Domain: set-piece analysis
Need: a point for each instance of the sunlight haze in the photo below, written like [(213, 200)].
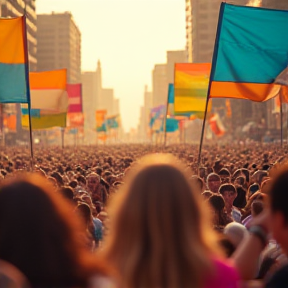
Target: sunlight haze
[(129, 37)]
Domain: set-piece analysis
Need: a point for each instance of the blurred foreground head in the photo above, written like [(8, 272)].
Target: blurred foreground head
[(159, 233), (39, 235)]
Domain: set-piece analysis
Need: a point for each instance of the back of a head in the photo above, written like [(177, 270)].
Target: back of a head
[(30, 207), (165, 221), (236, 233), (278, 192)]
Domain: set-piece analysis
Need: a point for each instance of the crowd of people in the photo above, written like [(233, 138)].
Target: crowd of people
[(144, 216)]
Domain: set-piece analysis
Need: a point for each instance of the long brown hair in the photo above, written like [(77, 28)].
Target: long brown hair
[(40, 236), (159, 235)]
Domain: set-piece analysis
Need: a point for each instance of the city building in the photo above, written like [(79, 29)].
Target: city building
[(173, 57), (279, 4), (107, 101), (59, 44), (160, 85), (12, 8)]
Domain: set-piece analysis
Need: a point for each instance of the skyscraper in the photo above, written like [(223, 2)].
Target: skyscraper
[(59, 44), (12, 8), (160, 86)]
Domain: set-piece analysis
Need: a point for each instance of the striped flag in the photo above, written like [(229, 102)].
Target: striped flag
[(13, 61)]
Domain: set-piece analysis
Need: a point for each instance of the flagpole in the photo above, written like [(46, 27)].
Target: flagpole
[(27, 85), (165, 120), (281, 118)]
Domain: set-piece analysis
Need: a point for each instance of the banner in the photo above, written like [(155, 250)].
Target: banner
[(75, 120), (157, 116), (75, 98), (13, 55), (10, 122), (191, 87), (45, 121), (101, 120), (48, 91), (250, 52)]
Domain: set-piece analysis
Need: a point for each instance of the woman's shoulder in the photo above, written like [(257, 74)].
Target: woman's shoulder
[(224, 276)]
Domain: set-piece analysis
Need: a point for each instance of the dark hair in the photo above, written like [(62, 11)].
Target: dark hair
[(278, 193), (73, 184), (48, 251), (67, 192), (58, 178), (227, 187), (81, 179), (240, 200)]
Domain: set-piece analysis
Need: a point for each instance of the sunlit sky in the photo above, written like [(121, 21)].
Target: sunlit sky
[(129, 37)]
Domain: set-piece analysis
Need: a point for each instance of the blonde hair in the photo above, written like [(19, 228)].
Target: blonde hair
[(159, 234)]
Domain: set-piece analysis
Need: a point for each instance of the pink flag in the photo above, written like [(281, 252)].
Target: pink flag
[(75, 97)]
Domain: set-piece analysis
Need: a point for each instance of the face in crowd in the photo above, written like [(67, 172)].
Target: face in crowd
[(93, 181), (213, 182)]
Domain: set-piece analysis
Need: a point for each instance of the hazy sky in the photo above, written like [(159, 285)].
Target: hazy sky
[(129, 37)]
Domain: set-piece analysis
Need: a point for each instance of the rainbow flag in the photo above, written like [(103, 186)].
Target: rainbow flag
[(48, 91), (13, 63), (191, 87), (250, 52), (75, 98)]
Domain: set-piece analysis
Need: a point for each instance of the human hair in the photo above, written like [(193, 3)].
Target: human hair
[(40, 236), (240, 200), (227, 187), (81, 179), (148, 244), (278, 192)]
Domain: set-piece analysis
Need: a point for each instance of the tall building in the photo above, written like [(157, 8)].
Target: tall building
[(12, 8), (201, 25), (107, 101), (160, 85), (173, 57), (59, 44), (275, 4)]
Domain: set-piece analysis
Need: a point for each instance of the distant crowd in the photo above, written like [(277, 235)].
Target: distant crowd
[(144, 216)]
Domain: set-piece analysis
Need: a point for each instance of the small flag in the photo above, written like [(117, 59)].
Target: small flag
[(74, 97), (113, 122), (101, 120), (13, 82), (75, 120), (216, 125)]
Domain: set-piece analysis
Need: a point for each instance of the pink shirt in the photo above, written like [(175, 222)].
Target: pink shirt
[(225, 276)]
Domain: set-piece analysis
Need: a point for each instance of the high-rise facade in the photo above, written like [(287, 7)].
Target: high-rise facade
[(173, 57), (59, 44), (201, 26), (160, 86), (12, 8), (275, 4)]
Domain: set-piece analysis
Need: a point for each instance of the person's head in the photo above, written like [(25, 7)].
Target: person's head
[(146, 238), (213, 182), (206, 194), (84, 211), (81, 180), (73, 184), (278, 197), (241, 199), (229, 193), (236, 233), (253, 189), (93, 181), (224, 175), (67, 192), (30, 207)]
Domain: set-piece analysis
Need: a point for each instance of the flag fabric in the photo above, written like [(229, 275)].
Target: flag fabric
[(216, 125), (13, 63), (10, 122), (75, 120), (74, 98), (48, 90), (45, 121), (191, 87), (157, 115), (172, 125), (180, 116), (228, 108), (250, 52), (101, 120), (113, 122)]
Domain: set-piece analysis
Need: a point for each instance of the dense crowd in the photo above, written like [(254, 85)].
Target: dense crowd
[(144, 216)]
